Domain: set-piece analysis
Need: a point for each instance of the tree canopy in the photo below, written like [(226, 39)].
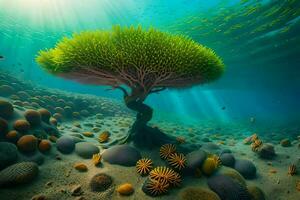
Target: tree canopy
[(135, 57)]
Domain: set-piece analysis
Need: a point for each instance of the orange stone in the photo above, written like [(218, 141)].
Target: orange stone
[(44, 145)]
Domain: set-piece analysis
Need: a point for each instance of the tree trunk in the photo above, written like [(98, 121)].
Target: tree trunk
[(140, 133)]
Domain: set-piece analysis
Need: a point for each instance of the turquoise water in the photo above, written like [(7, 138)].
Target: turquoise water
[(261, 67), (256, 39)]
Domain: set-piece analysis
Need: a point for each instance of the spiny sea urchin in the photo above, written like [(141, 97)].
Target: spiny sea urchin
[(177, 160), (155, 188), (166, 150), (166, 174), (144, 166)]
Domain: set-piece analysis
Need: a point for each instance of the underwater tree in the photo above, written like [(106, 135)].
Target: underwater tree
[(138, 62)]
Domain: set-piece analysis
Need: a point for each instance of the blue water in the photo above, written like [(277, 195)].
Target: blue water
[(260, 53)]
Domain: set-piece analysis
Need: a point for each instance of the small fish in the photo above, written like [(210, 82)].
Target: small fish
[(21, 70), (223, 108), (2, 57)]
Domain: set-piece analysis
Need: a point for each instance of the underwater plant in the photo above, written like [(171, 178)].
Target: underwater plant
[(138, 62)]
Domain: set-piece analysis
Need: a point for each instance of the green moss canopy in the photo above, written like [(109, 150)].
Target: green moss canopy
[(130, 49)]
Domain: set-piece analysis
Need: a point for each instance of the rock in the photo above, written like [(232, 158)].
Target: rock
[(227, 159), (8, 154), (44, 145), (65, 144), (125, 189), (6, 90), (33, 117), (100, 182), (195, 159), (76, 190), (6, 109), (232, 173), (13, 136), (211, 148), (227, 188), (3, 127), (197, 193), (256, 193), (122, 155), (285, 142), (21, 125), (225, 151), (45, 115), (27, 143), (246, 168), (266, 151), (19, 173), (86, 149), (39, 197), (81, 167)]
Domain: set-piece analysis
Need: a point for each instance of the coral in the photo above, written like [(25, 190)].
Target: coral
[(45, 115), (210, 165), (155, 188), (27, 143), (165, 174), (177, 161), (103, 137), (100, 182), (21, 125), (19, 173), (256, 193), (166, 150), (96, 159), (256, 144), (125, 189), (144, 166), (80, 167), (197, 193), (180, 140), (292, 170), (33, 117), (227, 188), (44, 145), (6, 109), (3, 127)]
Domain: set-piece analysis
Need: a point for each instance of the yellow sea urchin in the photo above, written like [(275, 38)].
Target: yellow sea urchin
[(177, 160), (155, 187), (166, 174), (103, 137), (166, 150), (144, 166)]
